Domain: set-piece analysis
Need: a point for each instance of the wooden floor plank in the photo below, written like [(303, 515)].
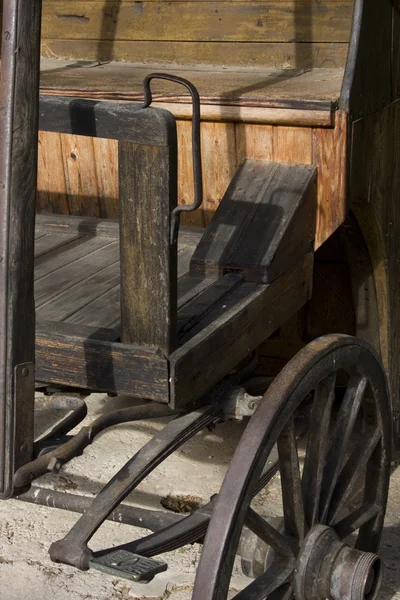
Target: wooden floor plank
[(74, 251), (57, 282), (79, 295), (100, 312), (50, 242)]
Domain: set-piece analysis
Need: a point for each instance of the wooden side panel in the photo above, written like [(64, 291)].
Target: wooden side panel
[(375, 185), (224, 146), (322, 21), (301, 34), (330, 157), (280, 55)]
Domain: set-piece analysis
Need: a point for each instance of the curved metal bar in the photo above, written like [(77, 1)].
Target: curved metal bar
[(78, 409), (53, 461), (196, 145), (73, 549)]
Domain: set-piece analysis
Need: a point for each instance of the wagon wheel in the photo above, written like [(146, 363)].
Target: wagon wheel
[(341, 491)]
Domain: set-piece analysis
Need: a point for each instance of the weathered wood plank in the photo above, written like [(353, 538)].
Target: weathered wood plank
[(106, 120), (62, 280), (314, 89), (148, 194), (49, 242), (292, 145), (264, 223), (101, 311), (99, 365), (51, 183), (240, 326), (323, 21), (18, 176), (219, 163), (231, 54), (61, 306), (78, 249), (331, 158), (197, 309)]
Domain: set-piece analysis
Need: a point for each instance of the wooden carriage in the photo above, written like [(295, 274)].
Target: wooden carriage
[(296, 238)]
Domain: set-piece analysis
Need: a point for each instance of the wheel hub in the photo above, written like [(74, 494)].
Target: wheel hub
[(329, 568)]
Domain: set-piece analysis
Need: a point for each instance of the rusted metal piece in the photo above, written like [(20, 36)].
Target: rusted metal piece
[(73, 549), (328, 568), (363, 409), (196, 145), (54, 460), (154, 520)]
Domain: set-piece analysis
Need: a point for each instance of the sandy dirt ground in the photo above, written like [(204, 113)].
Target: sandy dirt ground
[(26, 531)]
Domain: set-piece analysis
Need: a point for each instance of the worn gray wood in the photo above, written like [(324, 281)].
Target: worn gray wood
[(49, 243), (78, 295), (101, 311), (228, 334), (107, 120), (264, 223), (147, 196), (96, 364), (18, 168), (204, 303), (80, 249), (63, 282)]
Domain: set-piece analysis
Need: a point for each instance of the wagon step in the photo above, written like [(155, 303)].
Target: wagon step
[(122, 563)]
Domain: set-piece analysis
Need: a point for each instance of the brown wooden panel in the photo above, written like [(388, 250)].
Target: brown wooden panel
[(250, 54), (253, 142), (52, 193), (219, 163), (76, 360), (185, 174), (330, 157), (292, 145), (224, 145), (322, 21)]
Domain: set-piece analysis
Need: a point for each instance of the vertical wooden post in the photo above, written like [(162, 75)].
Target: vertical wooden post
[(19, 97), (147, 196)]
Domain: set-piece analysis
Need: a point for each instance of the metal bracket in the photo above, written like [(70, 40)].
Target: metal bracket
[(122, 563), (24, 384)]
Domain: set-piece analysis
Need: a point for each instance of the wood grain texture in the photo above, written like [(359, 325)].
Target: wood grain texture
[(226, 336), (375, 184), (224, 146), (148, 192), (18, 177), (279, 55), (96, 364), (323, 21), (312, 89), (330, 157), (264, 224)]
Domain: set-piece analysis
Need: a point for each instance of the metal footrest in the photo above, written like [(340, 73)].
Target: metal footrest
[(122, 563)]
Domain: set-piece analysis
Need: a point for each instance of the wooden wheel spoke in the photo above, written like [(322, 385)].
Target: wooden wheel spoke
[(268, 583), (268, 534), (351, 473), (293, 509), (341, 436), (316, 448), (356, 519)]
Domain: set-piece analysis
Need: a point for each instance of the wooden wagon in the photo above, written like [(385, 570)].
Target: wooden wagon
[(288, 269)]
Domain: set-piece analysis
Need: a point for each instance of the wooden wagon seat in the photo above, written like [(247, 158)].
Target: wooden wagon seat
[(298, 97)]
